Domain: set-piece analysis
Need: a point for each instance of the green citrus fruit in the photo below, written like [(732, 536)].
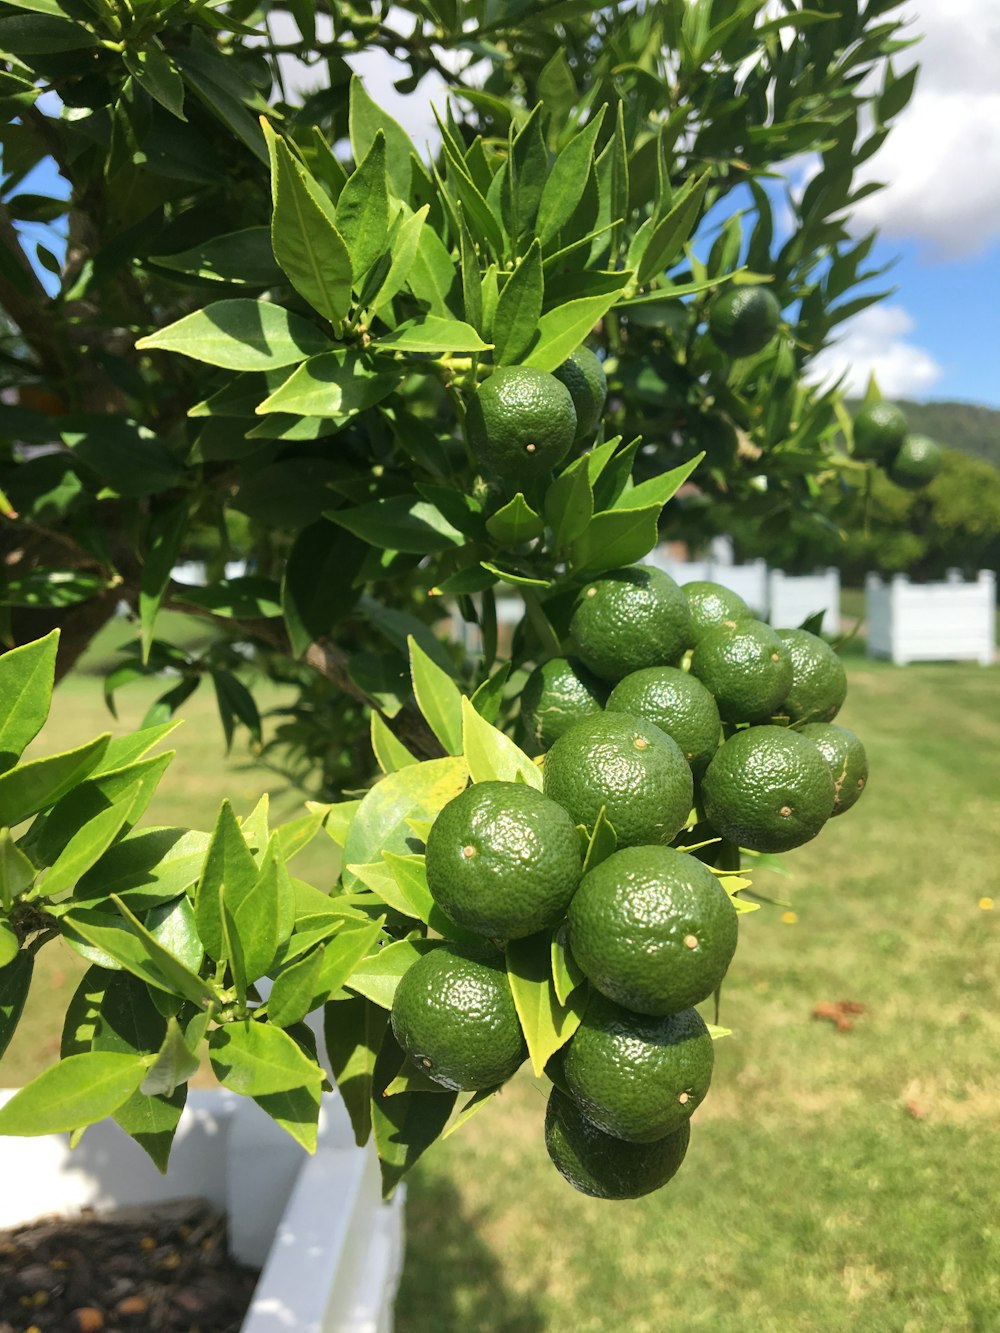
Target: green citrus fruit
[(635, 1076), (917, 463), (627, 766), (765, 790), (743, 320), (819, 681), (630, 618), (557, 694), (503, 860), (521, 423), (583, 374), (653, 929), (711, 604), (678, 704), (846, 759), (879, 431), (454, 1016), (746, 666), (598, 1164)]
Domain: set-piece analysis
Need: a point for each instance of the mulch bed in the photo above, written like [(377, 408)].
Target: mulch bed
[(162, 1269)]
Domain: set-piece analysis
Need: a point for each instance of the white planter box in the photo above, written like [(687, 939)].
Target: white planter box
[(932, 622), (749, 581), (793, 598), (331, 1251)]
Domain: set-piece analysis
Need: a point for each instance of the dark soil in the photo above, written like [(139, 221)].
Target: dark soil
[(161, 1269)]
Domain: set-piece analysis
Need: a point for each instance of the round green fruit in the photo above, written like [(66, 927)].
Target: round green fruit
[(520, 423)]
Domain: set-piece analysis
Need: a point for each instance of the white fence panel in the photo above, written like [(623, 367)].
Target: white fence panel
[(932, 622), (794, 597)]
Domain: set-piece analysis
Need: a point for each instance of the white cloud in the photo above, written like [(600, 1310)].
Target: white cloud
[(876, 341), (941, 161)]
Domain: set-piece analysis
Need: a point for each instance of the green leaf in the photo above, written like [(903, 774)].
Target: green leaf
[(17, 872), (438, 698), (15, 982), (409, 875), (163, 548), (304, 235), (88, 845), (433, 278), (400, 523), (519, 309), (173, 926), (617, 537), (489, 696), (432, 333), (569, 504), (405, 1125), (563, 329), (174, 1064), (179, 976), (76, 1092), (512, 577), (228, 862), (129, 1023), (294, 987), (39, 784), (265, 915), (155, 72), (243, 258), (567, 181), (366, 120), (9, 943), (42, 34), (670, 234), (547, 1024), (248, 597), (26, 679), (377, 976), (256, 1059), (240, 335), (390, 752), (335, 384), (526, 176), (317, 590), (363, 208), (405, 244), (660, 489), (353, 1030), (129, 944), (566, 972), (419, 791), (492, 756), (601, 842), (515, 523), (148, 867)]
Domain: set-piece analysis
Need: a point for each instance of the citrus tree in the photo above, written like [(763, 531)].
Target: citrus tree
[(265, 328)]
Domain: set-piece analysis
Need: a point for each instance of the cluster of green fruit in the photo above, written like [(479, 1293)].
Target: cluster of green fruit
[(644, 749), (882, 436)]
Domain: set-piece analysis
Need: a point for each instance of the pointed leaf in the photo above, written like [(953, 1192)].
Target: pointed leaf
[(515, 523), (240, 335), (519, 309), (363, 209), (26, 679), (547, 1024), (229, 861), (492, 756), (366, 120), (173, 1066), (377, 976), (567, 181), (353, 1030), (566, 972), (670, 235), (292, 994), (304, 236), (438, 698), (78, 1091), (255, 1059), (405, 1125), (87, 846), (39, 784), (15, 982), (562, 329), (390, 752), (334, 385), (432, 333), (17, 873)]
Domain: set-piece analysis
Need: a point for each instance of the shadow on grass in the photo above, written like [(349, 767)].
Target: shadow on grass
[(452, 1279)]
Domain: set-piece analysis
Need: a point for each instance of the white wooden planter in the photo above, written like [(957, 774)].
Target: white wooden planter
[(331, 1251), (932, 622), (749, 581), (793, 598)]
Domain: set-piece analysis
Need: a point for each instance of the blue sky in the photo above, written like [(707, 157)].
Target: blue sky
[(938, 336)]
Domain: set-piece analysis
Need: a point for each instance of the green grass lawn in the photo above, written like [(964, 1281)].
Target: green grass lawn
[(836, 1180)]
